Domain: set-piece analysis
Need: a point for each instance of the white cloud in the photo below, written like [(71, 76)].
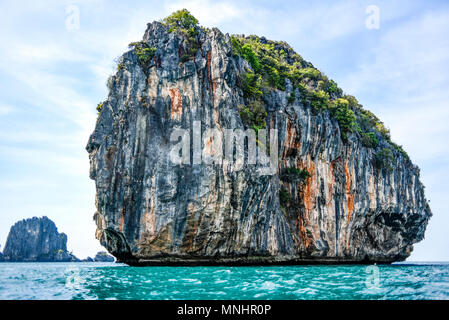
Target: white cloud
[(50, 52), (4, 110), (422, 130), (408, 58), (404, 74)]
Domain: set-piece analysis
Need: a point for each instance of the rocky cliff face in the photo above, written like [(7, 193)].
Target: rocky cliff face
[(333, 197), (36, 240)]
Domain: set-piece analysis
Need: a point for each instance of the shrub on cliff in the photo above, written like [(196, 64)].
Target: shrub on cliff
[(292, 97), (251, 85), (253, 115), (248, 54), (329, 86), (294, 174), (310, 73), (184, 23), (384, 160), (284, 197), (191, 49), (143, 52), (99, 107), (318, 100), (265, 59), (344, 115), (369, 139), (367, 120), (399, 149)]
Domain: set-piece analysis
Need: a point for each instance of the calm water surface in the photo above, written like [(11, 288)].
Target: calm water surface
[(117, 281)]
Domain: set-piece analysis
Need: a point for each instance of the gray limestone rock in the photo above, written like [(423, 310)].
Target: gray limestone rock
[(102, 256), (151, 211), (36, 240)]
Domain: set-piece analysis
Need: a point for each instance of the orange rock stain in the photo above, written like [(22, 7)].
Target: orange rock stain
[(122, 219), (176, 103), (209, 75), (349, 195), (310, 189)]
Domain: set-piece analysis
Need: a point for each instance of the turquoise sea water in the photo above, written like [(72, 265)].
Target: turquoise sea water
[(117, 281)]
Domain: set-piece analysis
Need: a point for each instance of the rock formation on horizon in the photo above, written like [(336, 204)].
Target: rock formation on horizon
[(36, 240), (88, 259), (342, 192), (103, 256)]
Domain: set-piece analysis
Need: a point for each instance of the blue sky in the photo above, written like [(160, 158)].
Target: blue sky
[(53, 75)]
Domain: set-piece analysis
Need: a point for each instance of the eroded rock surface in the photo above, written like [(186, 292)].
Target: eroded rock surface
[(36, 240), (151, 211)]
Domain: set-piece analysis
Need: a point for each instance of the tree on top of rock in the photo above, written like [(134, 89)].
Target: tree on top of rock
[(181, 19)]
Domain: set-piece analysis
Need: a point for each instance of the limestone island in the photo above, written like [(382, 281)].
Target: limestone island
[(329, 185)]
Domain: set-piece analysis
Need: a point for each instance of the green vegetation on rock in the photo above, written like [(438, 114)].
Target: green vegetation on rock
[(182, 22), (291, 97), (330, 87), (99, 107), (273, 62), (385, 159), (143, 51), (399, 149), (251, 85), (345, 116), (369, 139), (293, 174), (317, 100), (253, 115), (284, 197)]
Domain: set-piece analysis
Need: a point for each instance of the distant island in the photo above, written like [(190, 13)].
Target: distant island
[(101, 256), (38, 240)]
